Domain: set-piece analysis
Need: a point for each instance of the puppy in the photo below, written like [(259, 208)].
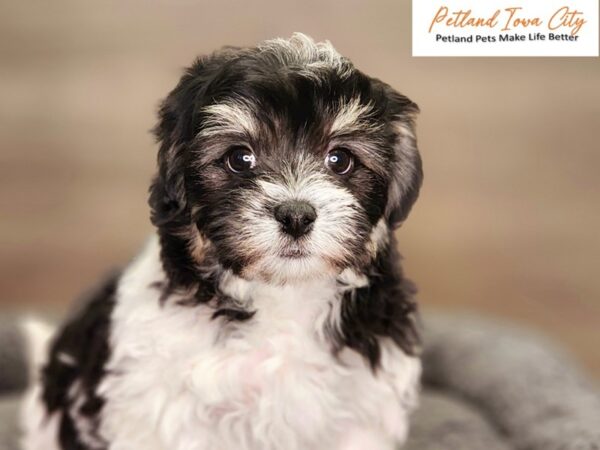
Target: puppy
[(270, 310)]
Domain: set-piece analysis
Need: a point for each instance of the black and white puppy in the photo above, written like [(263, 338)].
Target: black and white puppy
[(270, 311)]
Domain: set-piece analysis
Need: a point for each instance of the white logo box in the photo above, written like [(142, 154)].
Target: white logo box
[(505, 27)]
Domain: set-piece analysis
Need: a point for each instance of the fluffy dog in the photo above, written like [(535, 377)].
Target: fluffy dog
[(270, 310)]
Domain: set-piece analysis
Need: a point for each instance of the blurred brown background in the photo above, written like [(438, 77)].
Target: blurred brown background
[(508, 220)]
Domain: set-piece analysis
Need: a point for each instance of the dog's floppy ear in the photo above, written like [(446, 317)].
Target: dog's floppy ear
[(178, 122), (407, 171), (176, 128)]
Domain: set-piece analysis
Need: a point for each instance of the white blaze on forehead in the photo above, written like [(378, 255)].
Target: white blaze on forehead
[(335, 205), (232, 116), (315, 188), (352, 115)]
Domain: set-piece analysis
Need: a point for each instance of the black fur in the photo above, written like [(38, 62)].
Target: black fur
[(385, 308), (84, 340)]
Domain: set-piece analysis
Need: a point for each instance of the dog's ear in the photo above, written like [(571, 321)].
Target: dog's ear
[(407, 171), (178, 122)]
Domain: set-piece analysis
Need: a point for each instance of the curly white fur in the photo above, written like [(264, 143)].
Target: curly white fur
[(181, 381)]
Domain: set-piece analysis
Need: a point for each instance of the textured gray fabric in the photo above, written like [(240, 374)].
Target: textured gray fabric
[(486, 387), (9, 407), (12, 363), (446, 423), (528, 389)]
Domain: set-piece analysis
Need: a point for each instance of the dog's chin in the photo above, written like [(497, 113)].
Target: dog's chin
[(294, 251), (291, 266)]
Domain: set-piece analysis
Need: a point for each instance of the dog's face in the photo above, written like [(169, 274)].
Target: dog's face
[(285, 161)]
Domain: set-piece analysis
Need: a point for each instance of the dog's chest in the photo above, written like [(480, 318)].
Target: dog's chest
[(187, 381)]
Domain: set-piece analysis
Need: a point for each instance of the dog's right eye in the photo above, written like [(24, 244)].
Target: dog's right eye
[(240, 160), (340, 161)]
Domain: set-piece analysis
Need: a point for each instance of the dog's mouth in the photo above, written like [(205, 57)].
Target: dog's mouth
[(294, 251)]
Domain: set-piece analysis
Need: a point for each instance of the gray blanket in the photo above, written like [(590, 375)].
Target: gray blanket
[(486, 386)]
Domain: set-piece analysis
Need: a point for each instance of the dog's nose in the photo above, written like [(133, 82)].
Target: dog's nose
[(296, 217)]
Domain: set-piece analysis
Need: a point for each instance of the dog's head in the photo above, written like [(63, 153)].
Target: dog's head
[(283, 161)]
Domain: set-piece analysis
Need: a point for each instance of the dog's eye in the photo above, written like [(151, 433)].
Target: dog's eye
[(340, 161), (240, 160)]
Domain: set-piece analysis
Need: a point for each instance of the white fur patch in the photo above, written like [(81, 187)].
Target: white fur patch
[(39, 432), (180, 380), (351, 116), (352, 280), (232, 116), (38, 335), (379, 237), (302, 52)]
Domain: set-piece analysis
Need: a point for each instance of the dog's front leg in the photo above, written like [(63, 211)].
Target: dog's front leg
[(366, 439)]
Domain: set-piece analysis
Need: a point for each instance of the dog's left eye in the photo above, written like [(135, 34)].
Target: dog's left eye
[(240, 160), (340, 161)]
